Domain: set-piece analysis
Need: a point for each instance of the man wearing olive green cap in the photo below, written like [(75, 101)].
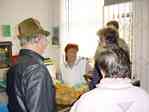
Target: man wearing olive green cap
[(29, 85)]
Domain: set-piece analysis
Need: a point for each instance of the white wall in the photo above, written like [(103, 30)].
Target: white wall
[(14, 11), (141, 42)]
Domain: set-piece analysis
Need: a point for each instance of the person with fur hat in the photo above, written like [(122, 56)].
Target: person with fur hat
[(111, 31), (29, 85), (108, 38), (121, 42)]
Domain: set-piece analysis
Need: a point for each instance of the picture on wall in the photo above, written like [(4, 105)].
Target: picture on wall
[(55, 36), (6, 30)]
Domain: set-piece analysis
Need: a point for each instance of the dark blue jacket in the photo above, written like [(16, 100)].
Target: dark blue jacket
[(96, 77)]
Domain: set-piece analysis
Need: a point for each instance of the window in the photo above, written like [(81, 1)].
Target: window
[(122, 12), (80, 19)]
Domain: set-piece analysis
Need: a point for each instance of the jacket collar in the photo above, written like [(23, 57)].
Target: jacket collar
[(32, 54), (115, 83)]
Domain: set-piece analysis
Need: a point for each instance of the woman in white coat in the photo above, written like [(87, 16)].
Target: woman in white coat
[(72, 68)]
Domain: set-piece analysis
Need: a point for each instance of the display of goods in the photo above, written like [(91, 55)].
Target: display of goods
[(67, 95)]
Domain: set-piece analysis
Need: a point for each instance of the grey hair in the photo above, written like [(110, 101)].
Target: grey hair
[(115, 63), (25, 40)]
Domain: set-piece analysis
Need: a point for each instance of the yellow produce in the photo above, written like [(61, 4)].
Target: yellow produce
[(66, 94)]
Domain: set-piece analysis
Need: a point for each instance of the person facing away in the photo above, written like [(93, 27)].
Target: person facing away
[(108, 38), (114, 24), (121, 43), (114, 93), (72, 67), (29, 85)]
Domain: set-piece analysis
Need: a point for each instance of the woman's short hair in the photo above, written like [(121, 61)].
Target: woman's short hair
[(115, 63), (71, 45)]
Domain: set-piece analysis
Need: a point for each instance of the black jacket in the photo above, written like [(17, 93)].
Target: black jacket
[(29, 85)]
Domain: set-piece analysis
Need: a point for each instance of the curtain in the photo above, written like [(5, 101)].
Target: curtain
[(141, 42)]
